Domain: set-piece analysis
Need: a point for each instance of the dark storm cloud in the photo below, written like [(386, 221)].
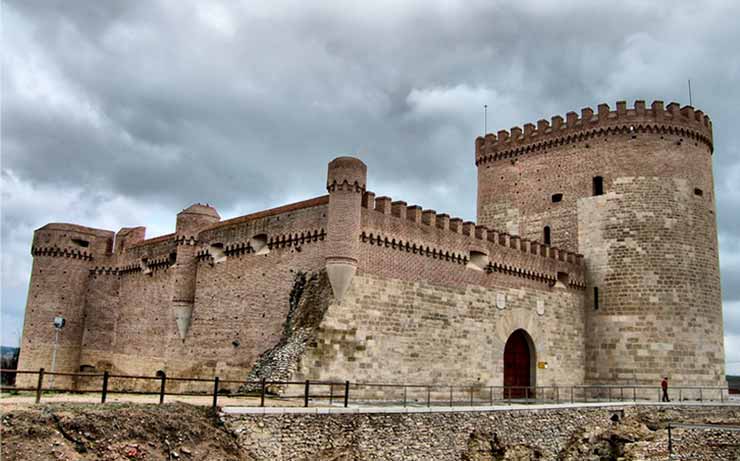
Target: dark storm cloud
[(153, 105)]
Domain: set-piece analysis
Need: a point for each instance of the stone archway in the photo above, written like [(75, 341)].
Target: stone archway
[(519, 365)]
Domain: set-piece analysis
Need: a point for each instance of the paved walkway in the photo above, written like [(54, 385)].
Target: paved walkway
[(236, 410)]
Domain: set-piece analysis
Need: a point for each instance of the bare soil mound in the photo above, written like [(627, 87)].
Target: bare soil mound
[(115, 432)]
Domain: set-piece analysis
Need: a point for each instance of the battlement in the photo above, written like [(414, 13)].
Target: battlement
[(674, 119), (414, 229)]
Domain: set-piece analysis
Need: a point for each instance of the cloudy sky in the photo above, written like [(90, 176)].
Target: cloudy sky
[(121, 113)]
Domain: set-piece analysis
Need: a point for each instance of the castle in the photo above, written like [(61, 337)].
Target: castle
[(594, 260)]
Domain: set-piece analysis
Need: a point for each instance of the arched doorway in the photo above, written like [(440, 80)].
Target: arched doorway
[(519, 365)]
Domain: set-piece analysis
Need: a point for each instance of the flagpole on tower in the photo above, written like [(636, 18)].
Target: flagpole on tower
[(485, 119)]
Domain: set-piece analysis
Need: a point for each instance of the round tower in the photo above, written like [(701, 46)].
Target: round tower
[(190, 222), (63, 255), (346, 183), (632, 190)]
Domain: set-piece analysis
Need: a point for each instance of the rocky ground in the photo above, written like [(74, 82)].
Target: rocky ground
[(115, 432), (177, 431)]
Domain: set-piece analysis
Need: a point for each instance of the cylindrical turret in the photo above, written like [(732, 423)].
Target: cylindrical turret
[(190, 221), (63, 255), (346, 183), (632, 190)]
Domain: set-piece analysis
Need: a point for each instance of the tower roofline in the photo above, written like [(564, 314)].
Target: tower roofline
[(685, 121)]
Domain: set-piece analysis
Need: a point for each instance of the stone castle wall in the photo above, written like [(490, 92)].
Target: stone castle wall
[(120, 305)]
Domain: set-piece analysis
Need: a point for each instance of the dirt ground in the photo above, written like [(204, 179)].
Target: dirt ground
[(11, 401), (119, 431)]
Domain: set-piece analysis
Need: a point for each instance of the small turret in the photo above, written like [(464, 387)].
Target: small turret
[(346, 185), (190, 221)]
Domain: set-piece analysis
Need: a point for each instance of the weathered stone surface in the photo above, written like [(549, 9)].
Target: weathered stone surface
[(568, 434)]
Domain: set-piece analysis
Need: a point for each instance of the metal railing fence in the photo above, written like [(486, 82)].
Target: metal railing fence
[(343, 393)]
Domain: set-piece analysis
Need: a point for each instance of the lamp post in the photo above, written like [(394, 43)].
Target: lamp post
[(58, 325)]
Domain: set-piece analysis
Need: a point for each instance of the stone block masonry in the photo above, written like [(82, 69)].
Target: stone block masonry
[(594, 260), (567, 434)]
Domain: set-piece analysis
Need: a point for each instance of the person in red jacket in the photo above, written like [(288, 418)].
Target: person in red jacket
[(664, 386)]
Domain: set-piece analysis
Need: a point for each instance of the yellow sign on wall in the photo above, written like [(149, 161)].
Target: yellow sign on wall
[(541, 364)]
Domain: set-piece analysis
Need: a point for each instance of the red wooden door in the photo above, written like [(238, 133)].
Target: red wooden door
[(517, 365)]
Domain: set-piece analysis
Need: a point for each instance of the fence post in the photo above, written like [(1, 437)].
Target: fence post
[(471, 396), (450, 395), (39, 385), (429, 397), (701, 394), (670, 441), (571, 394), (105, 387), (346, 394), (161, 388), (305, 394), (721, 395), (331, 394), (557, 394), (634, 395), (215, 392), (262, 392), (491, 395), (404, 396)]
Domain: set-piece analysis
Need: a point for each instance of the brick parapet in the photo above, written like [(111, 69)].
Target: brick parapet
[(673, 119), (436, 235)]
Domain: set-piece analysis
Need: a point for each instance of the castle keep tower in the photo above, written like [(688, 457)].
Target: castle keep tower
[(63, 255), (632, 190), (346, 183)]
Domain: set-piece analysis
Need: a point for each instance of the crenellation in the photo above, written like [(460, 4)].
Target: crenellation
[(529, 130), (368, 200), (542, 127), (672, 119), (603, 112), (481, 232), (571, 118), (456, 225), (621, 108), (398, 209), (587, 116), (413, 213), (556, 123), (640, 108), (443, 221), (383, 204), (429, 218)]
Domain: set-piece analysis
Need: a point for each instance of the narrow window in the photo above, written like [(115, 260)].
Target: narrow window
[(81, 243), (547, 235), (596, 298), (557, 198), (698, 192), (598, 185)]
